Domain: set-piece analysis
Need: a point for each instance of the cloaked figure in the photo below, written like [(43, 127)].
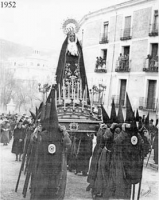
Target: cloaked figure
[(71, 65)]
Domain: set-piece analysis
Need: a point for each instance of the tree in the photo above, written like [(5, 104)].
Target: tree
[(7, 84)]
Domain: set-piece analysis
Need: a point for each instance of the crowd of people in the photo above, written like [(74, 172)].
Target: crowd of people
[(123, 61), (16, 127), (116, 163)]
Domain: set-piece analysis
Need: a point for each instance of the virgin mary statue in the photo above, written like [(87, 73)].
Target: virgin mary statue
[(71, 63)]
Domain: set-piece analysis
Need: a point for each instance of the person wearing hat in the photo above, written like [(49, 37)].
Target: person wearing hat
[(5, 128), (18, 142)]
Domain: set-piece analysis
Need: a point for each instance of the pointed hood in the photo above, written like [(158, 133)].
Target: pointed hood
[(120, 115), (40, 107), (113, 117), (147, 121), (129, 110), (33, 115), (105, 115), (53, 112), (137, 115)]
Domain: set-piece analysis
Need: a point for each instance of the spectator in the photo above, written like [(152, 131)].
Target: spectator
[(151, 130), (103, 64), (127, 61), (97, 62), (120, 60), (155, 145), (5, 132), (18, 143)]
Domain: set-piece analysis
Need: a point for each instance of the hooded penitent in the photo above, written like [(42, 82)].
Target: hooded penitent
[(46, 180), (137, 116), (113, 117), (132, 149), (120, 117), (105, 115), (147, 121), (129, 110)]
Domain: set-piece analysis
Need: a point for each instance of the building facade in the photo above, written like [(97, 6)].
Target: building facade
[(125, 38)]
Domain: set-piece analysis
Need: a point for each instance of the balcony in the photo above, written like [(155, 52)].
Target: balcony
[(150, 65), (148, 104), (118, 100), (123, 65), (103, 38), (100, 66), (126, 34), (153, 30)]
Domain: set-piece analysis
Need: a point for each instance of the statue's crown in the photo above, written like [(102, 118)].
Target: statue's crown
[(70, 26)]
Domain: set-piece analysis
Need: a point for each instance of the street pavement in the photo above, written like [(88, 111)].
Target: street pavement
[(76, 184)]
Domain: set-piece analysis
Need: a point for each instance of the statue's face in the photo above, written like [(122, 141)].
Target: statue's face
[(72, 37)]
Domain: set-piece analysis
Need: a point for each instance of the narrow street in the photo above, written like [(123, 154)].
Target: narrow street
[(76, 185)]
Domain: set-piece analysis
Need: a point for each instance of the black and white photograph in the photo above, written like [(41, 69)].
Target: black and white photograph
[(79, 100)]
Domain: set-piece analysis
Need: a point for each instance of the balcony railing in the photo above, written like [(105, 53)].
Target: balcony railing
[(103, 38), (126, 34), (100, 67), (149, 104), (150, 65), (118, 100), (153, 31), (123, 65)]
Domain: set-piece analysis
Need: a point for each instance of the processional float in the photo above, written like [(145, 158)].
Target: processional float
[(71, 104)]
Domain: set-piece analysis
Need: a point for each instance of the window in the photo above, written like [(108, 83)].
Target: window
[(122, 91), (126, 50), (105, 30), (127, 26), (154, 52), (156, 17), (151, 94), (104, 51)]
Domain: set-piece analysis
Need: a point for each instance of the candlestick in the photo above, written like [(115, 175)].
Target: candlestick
[(83, 101), (63, 89), (59, 93), (80, 89), (64, 104), (69, 90), (91, 99), (86, 92), (77, 90), (72, 88), (56, 98), (74, 100)]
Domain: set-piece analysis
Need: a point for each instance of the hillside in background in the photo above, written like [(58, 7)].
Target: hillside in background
[(10, 49)]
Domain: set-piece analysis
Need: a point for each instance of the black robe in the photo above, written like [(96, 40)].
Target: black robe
[(60, 72)]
